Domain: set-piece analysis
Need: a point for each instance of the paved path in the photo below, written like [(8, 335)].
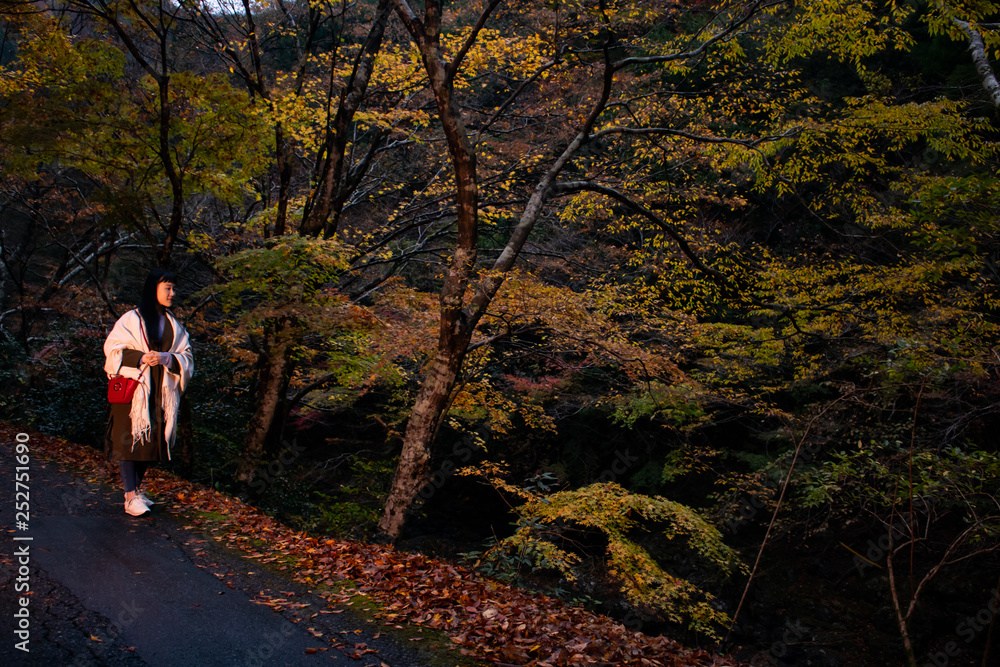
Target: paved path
[(110, 589)]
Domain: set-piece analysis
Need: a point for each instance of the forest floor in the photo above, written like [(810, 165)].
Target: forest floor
[(208, 579)]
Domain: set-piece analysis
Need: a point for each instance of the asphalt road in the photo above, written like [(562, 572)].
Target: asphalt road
[(103, 588)]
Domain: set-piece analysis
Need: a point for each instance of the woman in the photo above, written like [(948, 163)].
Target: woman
[(150, 345)]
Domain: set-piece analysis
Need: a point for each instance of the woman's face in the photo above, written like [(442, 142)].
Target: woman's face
[(165, 294)]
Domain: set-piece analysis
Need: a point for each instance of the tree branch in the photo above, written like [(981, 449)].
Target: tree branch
[(579, 186), (456, 62), (748, 143), (750, 11), (977, 48)]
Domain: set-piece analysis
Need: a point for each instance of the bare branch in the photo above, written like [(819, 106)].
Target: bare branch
[(685, 247), (751, 10), (513, 96), (452, 68), (701, 138)]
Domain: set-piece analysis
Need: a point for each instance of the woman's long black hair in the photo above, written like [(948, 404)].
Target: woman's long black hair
[(150, 308)]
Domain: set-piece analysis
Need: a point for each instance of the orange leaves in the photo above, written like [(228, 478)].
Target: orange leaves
[(279, 603), (492, 620), (483, 618)]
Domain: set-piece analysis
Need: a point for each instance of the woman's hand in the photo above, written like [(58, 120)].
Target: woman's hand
[(151, 358)]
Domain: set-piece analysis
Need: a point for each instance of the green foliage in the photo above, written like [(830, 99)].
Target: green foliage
[(841, 196), (886, 477), (220, 409), (618, 515), (675, 405), (329, 516), (287, 272), (510, 558), (353, 510), (283, 293), (71, 103), (942, 506), (853, 31)]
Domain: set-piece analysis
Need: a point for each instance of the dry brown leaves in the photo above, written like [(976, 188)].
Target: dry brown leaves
[(484, 618)]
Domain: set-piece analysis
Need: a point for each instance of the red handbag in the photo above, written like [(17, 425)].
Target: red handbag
[(121, 388)]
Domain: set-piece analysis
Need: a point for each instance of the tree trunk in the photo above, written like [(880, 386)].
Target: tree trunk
[(421, 430), (269, 413), (173, 231), (267, 424), (902, 620), (169, 168), (284, 168), (458, 317), (319, 209), (458, 321), (455, 327)]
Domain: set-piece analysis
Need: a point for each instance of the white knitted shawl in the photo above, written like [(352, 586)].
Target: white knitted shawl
[(128, 334)]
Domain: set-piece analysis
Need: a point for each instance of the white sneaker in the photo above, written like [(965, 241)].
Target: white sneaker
[(136, 507), (142, 496)]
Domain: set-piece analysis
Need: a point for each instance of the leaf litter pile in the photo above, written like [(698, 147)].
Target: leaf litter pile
[(484, 619)]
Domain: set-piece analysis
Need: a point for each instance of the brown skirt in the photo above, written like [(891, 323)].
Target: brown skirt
[(118, 437)]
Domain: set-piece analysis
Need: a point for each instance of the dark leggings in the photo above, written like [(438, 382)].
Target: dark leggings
[(132, 473)]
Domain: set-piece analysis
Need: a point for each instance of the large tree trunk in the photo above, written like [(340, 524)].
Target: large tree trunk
[(268, 421), (421, 431), (269, 414), (174, 229), (456, 326), (458, 318), (169, 168)]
